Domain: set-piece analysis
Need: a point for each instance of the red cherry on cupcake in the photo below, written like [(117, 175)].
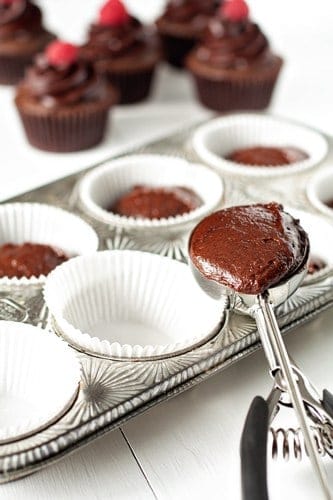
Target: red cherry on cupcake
[(113, 13), (60, 53), (235, 10)]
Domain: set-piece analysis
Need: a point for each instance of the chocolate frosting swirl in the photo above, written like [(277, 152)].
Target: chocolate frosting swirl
[(190, 10), (20, 19), (113, 41), (232, 45), (62, 86)]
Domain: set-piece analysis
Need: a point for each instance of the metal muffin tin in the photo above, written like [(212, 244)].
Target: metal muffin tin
[(113, 391)]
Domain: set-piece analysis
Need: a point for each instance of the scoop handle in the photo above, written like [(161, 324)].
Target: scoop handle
[(254, 451), (328, 402)]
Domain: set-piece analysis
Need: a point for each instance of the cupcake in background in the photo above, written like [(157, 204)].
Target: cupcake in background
[(123, 50), (233, 67), (22, 36), (62, 102), (182, 25)]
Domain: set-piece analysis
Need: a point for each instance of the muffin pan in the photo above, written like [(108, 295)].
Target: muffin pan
[(113, 390)]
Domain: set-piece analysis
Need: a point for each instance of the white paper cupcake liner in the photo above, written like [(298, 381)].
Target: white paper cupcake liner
[(129, 304), (321, 238), (215, 140), (44, 224), (320, 190), (101, 187), (39, 379)]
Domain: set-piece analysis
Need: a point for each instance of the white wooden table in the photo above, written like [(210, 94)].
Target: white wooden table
[(188, 447)]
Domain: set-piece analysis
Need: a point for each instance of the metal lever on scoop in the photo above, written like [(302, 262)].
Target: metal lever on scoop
[(286, 377)]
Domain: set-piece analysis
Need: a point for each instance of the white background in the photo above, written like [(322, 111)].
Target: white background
[(187, 447)]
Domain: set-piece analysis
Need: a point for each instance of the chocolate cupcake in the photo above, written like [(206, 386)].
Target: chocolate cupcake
[(181, 26), (233, 67), (62, 102), (122, 50), (21, 37)]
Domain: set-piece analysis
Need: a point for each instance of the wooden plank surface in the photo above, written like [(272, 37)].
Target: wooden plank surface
[(188, 447), (106, 469)]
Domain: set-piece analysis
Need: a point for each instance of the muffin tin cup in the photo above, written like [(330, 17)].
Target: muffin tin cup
[(215, 140), (130, 305), (39, 379), (101, 187), (44, 224)]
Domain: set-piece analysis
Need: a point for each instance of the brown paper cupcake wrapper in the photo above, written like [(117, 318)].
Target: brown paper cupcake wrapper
[(65, 132), (175, 49), (12, 68), (133, 87), (231, 95)]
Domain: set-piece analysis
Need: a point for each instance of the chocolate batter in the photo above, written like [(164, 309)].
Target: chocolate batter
[(249, 248), (315, 264), (28, 259), (267, 156), (156, 203)]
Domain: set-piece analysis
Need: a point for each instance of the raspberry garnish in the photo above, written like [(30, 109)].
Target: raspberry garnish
[(235, 10), (61, 53), (113, 13)]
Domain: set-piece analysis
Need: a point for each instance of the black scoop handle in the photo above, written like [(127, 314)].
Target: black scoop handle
[(254, 451), (328, 402)]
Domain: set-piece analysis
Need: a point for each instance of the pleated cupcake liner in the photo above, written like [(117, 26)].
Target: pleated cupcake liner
[(44, 224), (176, 48), (64, 132), (129, 304), (215, 140), (12, 68), (101, 187), (234, 95), (132, 86), (320, 233), (39, 379), (320, 191)]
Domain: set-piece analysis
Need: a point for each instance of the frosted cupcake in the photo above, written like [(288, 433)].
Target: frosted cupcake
[(22, 35), (62, 102), (234, 68), (181, 26), (123, 50)]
